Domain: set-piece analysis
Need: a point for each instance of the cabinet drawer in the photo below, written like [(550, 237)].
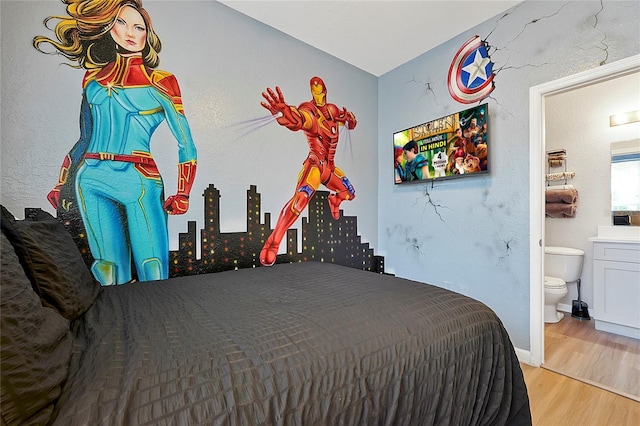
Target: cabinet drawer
[(617, 252)]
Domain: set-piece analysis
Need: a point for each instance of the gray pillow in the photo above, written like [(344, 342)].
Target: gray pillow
[(35, 347), (52, 262)]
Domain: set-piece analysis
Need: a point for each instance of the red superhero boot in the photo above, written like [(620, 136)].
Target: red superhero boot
[(344, 191), (306, 188)]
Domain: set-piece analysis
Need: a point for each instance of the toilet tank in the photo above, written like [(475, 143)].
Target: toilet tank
[(563, 262)]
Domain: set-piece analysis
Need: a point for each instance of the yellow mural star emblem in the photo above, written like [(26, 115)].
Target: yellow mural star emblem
[(111, 88)]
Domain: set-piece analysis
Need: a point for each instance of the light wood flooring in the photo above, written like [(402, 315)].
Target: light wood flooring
[(558, 400), (576, 349)]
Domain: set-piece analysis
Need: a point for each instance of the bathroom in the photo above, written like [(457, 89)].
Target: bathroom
[(578, 121)]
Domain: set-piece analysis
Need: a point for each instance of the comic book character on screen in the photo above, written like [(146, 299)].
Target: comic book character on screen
[(320, 121), (118, 189)]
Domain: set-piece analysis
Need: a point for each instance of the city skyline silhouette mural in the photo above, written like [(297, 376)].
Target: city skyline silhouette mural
[(324, 239)]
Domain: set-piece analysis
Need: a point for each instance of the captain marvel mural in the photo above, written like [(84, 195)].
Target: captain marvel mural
[(320, 121), (116, 185)]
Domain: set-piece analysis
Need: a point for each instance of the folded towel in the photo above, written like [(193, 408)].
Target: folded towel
[(560, 210), (556, 162), (565, 186), (567, 196), (560, 175)]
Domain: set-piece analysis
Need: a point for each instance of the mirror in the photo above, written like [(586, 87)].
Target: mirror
[(625, 182)]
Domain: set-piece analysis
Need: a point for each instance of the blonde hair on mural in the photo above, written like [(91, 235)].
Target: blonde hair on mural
[(82, 36)]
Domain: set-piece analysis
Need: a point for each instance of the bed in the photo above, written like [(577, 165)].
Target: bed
[(307, 343)]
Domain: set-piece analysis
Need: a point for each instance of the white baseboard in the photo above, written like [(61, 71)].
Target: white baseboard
[(524, 356), (563, 307)]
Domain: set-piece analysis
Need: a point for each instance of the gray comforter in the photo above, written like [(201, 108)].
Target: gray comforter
[(296, 344)]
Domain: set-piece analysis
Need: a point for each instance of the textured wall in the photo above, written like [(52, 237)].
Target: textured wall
[(223, 61), (469, 235), (472, 235)]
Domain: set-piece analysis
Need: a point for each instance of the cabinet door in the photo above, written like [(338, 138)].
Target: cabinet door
[(616, 293)]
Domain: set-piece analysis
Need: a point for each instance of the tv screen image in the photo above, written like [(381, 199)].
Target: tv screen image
[(454, 146)]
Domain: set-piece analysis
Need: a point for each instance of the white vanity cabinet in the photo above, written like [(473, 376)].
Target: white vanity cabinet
[(616, 286)]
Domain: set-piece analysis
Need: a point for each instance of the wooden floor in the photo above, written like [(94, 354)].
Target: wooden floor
[(576, 349), (558, 400)]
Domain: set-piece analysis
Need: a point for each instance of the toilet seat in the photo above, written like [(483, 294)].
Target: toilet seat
[(563, 251), (554, 282)]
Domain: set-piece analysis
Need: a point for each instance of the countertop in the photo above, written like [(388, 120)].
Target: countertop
[(617, 234)]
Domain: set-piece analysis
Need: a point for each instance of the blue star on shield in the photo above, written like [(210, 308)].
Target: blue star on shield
[(471, 72)]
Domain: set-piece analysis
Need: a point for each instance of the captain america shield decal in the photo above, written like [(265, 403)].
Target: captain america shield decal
[(471, 72)]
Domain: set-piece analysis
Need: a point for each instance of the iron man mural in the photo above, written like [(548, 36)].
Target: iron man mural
[(320, 121), (117, 187)]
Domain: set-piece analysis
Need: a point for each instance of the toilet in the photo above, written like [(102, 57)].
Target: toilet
[(562, 265)]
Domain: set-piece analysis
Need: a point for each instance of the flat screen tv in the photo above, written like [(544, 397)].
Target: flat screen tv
[(451, 147)]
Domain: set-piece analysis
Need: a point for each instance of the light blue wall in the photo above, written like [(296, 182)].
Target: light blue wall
[(472, 235), (223, 62)]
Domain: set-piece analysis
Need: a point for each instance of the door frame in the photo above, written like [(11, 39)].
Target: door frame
[(537, 95)]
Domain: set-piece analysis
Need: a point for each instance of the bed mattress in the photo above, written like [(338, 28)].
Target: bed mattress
[(297, 344)]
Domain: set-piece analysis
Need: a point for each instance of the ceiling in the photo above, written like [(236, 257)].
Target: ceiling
[(375, 36)]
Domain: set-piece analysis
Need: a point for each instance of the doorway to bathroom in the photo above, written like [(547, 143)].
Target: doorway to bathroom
[(558, 346)]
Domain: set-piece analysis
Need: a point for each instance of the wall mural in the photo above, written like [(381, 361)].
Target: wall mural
[(323, 239), (110, 194), (320, 121), (118, 190)]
